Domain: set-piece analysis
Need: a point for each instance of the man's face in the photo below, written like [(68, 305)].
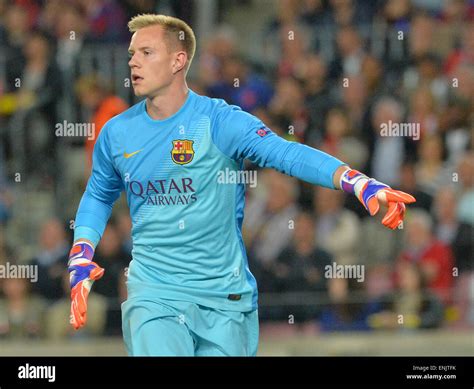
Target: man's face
[(150, 61)]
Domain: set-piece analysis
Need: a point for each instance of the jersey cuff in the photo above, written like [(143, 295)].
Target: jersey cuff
[(84, 232), (330, 165)]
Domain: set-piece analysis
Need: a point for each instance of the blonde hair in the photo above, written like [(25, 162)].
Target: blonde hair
[(177, 32)]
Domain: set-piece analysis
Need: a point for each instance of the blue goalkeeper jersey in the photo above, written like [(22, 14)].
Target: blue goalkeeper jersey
[(187, 221)]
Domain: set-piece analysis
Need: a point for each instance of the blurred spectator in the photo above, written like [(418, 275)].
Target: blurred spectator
[(96, 96), (50, 14), (347, 310), (288, 107), (373, 76), (17, 26), (347, 12), (356, 102), (397, 14), (7, 252), (3, 10), (337, 229), (464, 300), (6, 201), (432, 172), (6, 197), (269, 224), (423, 112), (287, 11), (411, 305), (463, 244), (294, 46), (463, 54), (340, 142), (445, 215), (457, 11), (135, 7), (300, 267), (465, 210), (421, 36), (106, 21), (463, 248), (433, 256), (51, 260), (462, 83), (350, 53), (409, 184), (426, 76), (451, 20), (221, 45), (388, 152), (336, 127), (277, 32), (459, 235), (241, 86), (312, 12), (378, 254), (317, 96), (454, 124), (70, 32), (36, 87), (21, 314), (39, 84), (110, 256)]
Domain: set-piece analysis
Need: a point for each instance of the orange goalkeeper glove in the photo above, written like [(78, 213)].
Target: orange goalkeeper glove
[(82, 274), (370, 191)]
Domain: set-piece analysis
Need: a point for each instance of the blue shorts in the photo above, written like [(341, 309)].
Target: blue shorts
[(178, 328)]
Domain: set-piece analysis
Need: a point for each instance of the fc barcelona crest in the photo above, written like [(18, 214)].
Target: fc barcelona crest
[(182, 152)]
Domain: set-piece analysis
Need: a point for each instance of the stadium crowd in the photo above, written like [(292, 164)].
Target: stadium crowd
[(333, 94)]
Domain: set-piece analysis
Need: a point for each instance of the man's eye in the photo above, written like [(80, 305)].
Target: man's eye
[(147, 52)]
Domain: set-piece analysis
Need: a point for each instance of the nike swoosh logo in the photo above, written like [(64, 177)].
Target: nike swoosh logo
[(127, 155)]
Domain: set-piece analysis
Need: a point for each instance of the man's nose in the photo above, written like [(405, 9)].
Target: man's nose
[(132, 62)]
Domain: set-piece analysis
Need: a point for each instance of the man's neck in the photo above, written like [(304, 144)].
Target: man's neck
[(168, 103)]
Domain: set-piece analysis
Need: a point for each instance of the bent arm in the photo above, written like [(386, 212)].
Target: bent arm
[(103, 189)]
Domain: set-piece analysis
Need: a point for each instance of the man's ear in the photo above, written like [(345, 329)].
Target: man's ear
[(180, 61)]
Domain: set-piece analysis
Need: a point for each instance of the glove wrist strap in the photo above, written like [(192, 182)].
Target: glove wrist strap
[(81, 250), (353, 181)]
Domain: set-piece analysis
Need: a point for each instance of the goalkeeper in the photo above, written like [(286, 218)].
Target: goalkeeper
[(190, 290)]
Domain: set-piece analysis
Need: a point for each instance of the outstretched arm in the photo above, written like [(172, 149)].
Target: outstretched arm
[(241, 135)]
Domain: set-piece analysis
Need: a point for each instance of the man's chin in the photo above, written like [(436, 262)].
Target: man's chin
[(138, 93)]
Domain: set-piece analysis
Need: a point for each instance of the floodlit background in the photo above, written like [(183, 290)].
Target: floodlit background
[(328, 73)]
